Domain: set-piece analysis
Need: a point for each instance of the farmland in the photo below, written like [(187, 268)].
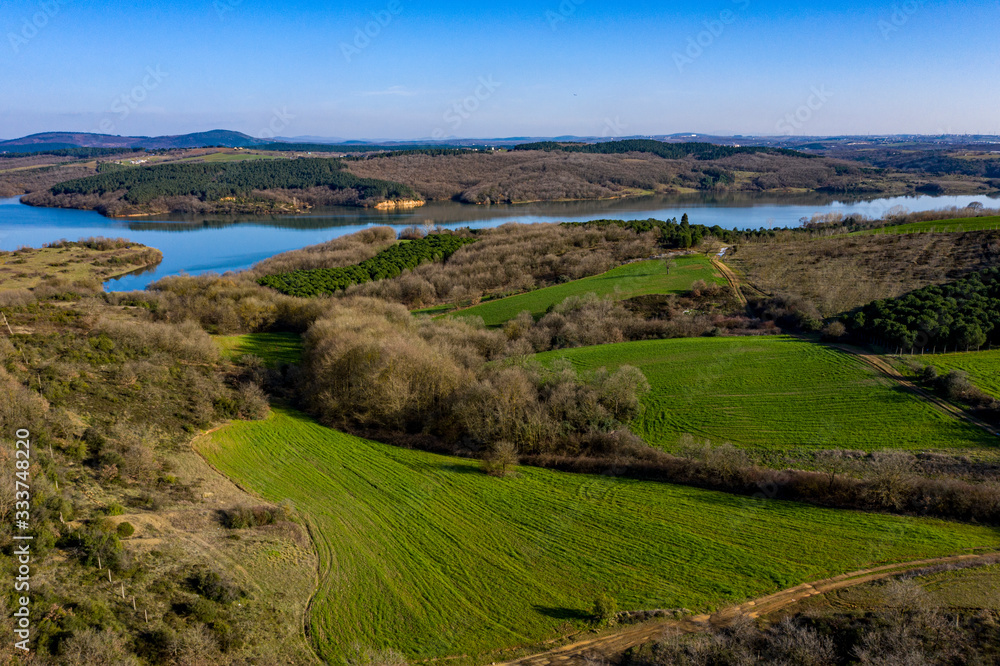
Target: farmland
[(426, 554), (638, 279), (774, 393), (940, 226), (982, 367)]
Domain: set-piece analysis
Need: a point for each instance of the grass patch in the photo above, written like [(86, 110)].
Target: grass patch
[(774, 393), (426, 554), (274, 348), (229, 157), (982, 367), (638, 279), (938, 226)]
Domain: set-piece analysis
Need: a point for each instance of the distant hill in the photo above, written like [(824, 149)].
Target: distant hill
[(61, 140)]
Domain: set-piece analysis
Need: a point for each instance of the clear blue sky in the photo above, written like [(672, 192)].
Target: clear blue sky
[(551, 67)]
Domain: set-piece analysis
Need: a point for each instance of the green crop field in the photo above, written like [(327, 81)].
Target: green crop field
[(638, 279), (229, 157), (973, 588), (982, 367), (274, 348), (426, 554), (939, 226), (775, 393)]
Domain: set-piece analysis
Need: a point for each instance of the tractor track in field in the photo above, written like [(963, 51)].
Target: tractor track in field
[(886, 369), (613, 645), (731, 278), (735, 282)]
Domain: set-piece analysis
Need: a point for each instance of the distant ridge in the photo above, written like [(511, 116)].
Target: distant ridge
[(47, 141), (59, 140)]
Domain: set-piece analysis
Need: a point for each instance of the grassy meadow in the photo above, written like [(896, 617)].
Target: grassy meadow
[(427, 555), (983, 367), (31, 267), (273, 348), (629, 281), (774, 393)]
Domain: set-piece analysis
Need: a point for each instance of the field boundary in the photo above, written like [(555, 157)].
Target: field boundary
[(876, 362), (306, 633), (613, 645)]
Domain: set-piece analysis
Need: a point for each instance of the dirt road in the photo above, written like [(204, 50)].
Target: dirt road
[(731, 278), (613, 645), (883, 366)]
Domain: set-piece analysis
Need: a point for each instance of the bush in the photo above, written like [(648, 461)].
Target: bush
[(835, 330), (214, 586), (243, 517), (501, 459), (125, 530), (605, 610)]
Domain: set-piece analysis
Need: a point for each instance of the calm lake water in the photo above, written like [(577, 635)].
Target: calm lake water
[(219, 244)]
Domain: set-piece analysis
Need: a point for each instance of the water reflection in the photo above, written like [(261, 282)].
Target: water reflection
[(214, 243)]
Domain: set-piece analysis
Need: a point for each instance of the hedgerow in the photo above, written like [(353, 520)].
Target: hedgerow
[(387, 264)]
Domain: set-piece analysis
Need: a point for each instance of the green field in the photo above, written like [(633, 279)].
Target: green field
[(774, 393), (274, 348), (229, 157), (638, 279), (962, 589), (428, 555), (982, 367), (939, 226)]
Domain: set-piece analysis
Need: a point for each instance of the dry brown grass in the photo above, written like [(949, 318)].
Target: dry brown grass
[(843, 272)]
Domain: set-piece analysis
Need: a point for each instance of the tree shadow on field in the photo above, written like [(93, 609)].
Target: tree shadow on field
[(564, 613)]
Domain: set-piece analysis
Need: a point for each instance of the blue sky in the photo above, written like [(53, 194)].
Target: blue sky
[(519, 68)]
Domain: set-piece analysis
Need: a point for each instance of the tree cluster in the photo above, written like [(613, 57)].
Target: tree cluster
[(73, 152), (215, 181), (961, 315), (670, 151), (387, 264), (679, 235)]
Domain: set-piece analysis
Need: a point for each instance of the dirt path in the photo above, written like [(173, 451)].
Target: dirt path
[(889, 371), (731, 278), (613, 645)]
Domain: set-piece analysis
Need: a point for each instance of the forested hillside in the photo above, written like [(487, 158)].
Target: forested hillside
[(549, 172), (961, 315), (129, 190), (672, 151)]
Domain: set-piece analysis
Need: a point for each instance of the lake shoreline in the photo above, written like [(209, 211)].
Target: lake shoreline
[(197, 244)]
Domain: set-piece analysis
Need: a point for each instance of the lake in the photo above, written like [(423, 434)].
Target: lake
[(218, 244)]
